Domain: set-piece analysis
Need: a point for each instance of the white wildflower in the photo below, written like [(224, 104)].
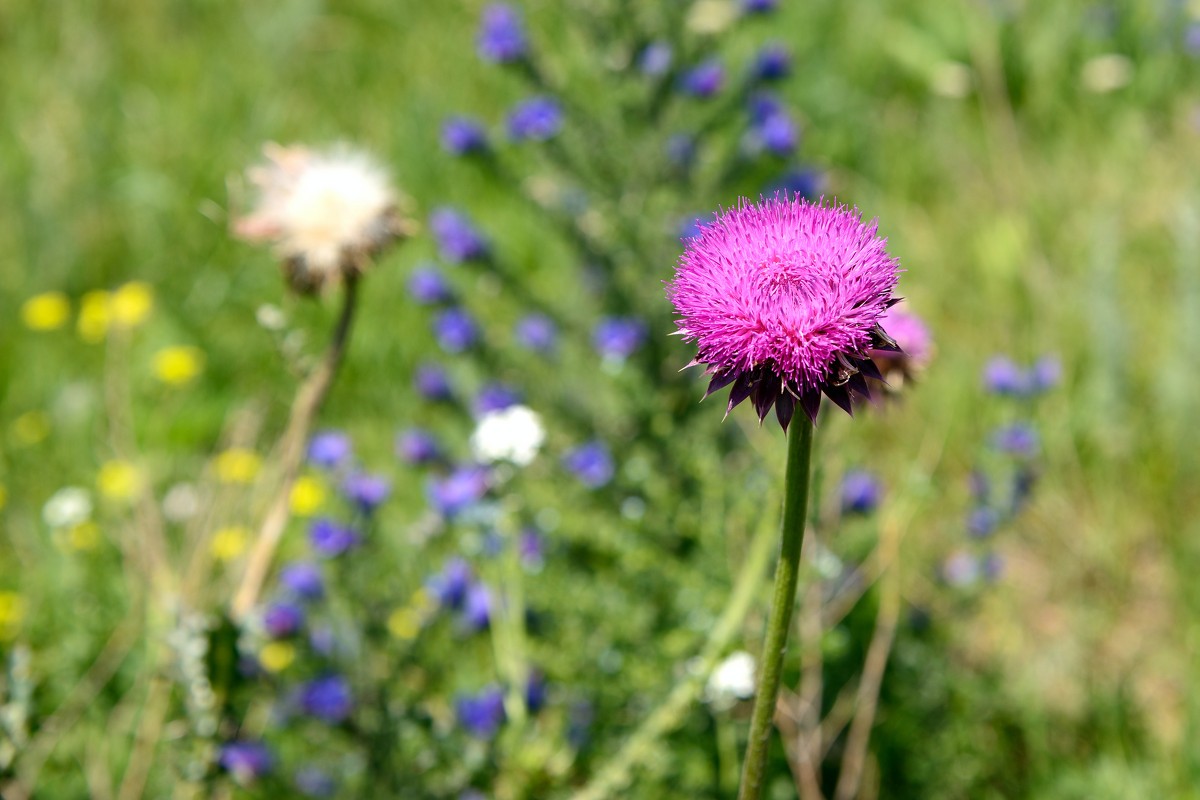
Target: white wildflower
[(67, 507), (512, 434), (326, 212), (731, 681)]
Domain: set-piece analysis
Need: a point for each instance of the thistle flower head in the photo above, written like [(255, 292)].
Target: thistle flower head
[(783, 299), (326, 213)]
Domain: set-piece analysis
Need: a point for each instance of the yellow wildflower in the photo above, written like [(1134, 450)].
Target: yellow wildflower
[(308, 495), (404, 623), (179, 364), (84, 536), (31, 427), (229, 543), (118, 480), (276, 656), (95, 314), (46, 312), (131, 304), (423, 600), (237, 465), (12, 614)]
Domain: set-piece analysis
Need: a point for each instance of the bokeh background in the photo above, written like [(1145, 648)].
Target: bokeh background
[(1034, 167)]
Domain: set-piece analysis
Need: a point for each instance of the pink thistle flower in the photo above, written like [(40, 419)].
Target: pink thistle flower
[(783, 299)]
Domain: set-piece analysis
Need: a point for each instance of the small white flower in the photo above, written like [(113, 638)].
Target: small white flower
[(181, 502), (512, 434), (326, 212), (68, 506), (732, 680)]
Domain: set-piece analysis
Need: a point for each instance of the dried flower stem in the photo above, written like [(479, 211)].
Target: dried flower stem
[(787, 574), (307, 403)]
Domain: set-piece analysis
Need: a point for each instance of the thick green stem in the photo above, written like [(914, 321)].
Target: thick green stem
[(787, 572)]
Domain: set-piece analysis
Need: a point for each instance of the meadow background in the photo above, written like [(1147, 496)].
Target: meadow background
[(1034, 167)]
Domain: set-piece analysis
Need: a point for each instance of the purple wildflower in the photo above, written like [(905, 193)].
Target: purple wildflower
[(428, 287), (433, 383), (591, 463), (1191, 38), (761, 106), (1016, 439), (501, 37), (536, 332), (655, 59), (992, 567), (417, 446), (245, 760), (531, 548), (450, 585), (535, 691), (1001, 375), (982, 522), (482, 714), (778, 134), (459, 490), (495, 397), (330, 539), (462, 136), (703, 80), (783, 300), (535, 119), (366, 492), (961, 569), (327, 698), (772, 63), (619, 337), (457, 239), (303, 579), (329, 449), (759, 6), (1022, 487), (860, 492), (1046, 373), (282, 620), (314, 782), (456, 330), (477, 607)]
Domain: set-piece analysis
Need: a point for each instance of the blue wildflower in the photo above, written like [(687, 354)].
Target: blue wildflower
[(535, 119), (619, 337), (501, 38), (459, 490), (807, 183), (482, 714), (761, 106), (367, 492), (535, 691), (860, 492), (759, 6), (417, 446), (961, 569), (536, 332), (531, 548), (449, 587), (457, 239), (330, 539), (329, 449), (496, 397), (1002, 376), (327, 698), (477, 607), (1017, 439), (982, 522), (428, 287), (282, 620), (655, 59), (703, 80), (455, 329), (778, 134), (432, 382), (303, 579), (246, 761), (462, 136), (591, 463), (1046, 373), (772, 63)]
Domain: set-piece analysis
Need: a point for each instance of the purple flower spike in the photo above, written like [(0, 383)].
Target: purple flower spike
[(619, 337), (501, 37), (417, 446), (246, 761), (477, 608), (591, 463), (463, 136), (330, 539), (536, 332), (495, 397), (455, 330), (1016, 439), (428, 287), (703, 80), (860, 492), (482, 714), (450, 585), (655, 59), (1002, 376), (772, 63), (458, 491), (783, 300), (282, 620), (433, 383), (367, 492), (303, 579), (457, 239), (327, 698), (329, 449), (536, 119)]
